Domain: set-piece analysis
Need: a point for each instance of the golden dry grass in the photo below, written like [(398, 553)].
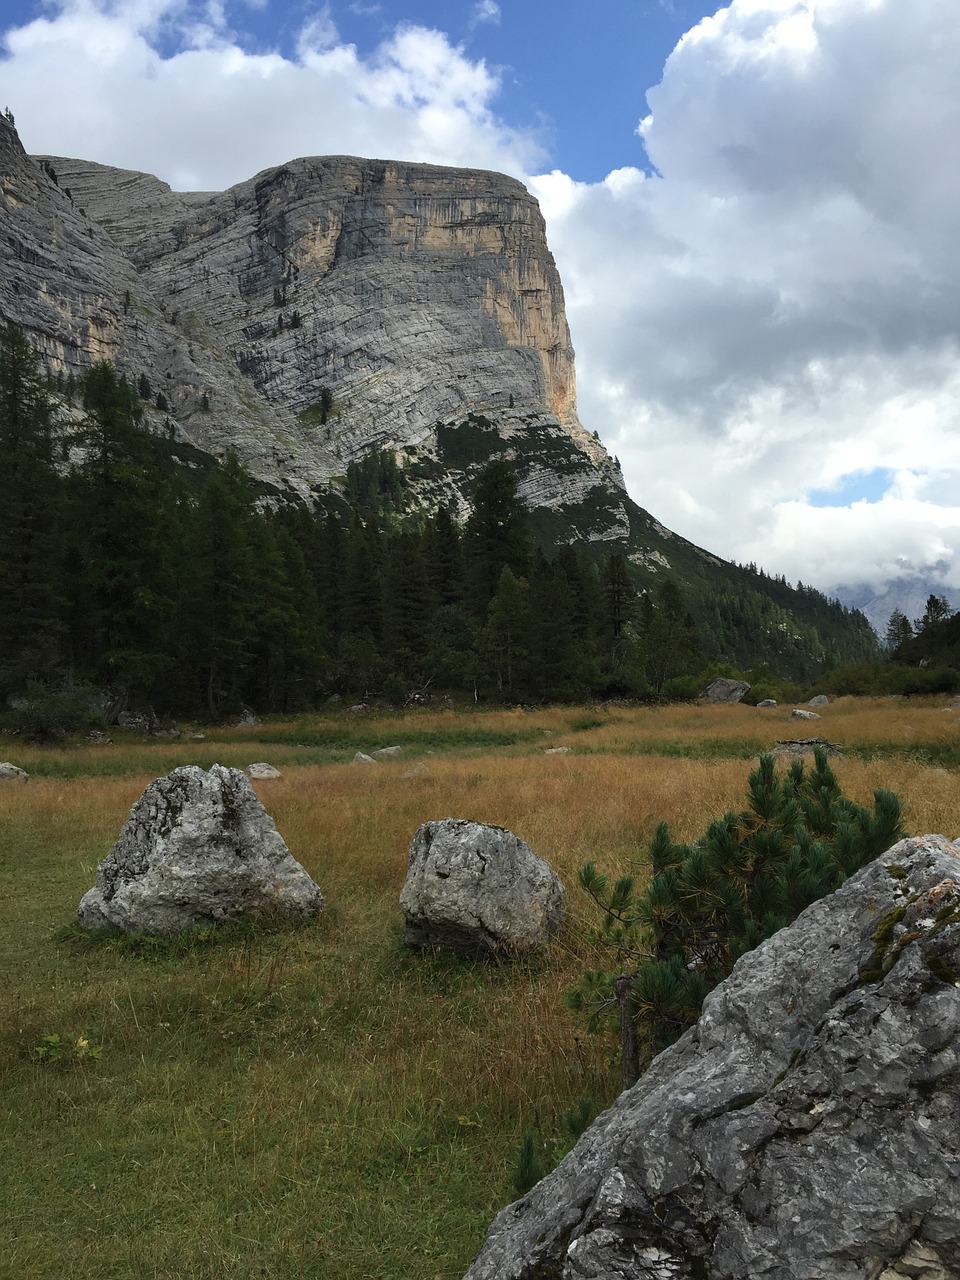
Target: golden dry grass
[(320, 1102)]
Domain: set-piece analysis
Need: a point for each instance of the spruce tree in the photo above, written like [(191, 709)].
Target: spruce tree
[(496, 535), (31, 536), (221, 593), (121, 594)]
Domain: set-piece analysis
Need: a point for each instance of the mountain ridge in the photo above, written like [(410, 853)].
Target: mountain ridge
[(333, 307)]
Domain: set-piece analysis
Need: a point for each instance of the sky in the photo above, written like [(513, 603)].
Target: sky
[(755, 211)]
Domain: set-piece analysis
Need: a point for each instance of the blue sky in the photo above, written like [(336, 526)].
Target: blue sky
[(755, 209)]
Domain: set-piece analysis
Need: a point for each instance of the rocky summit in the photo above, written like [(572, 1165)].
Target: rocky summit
[(807, 1127), (322, 310)]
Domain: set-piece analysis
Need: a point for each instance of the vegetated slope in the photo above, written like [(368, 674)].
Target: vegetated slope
[(333, 308)]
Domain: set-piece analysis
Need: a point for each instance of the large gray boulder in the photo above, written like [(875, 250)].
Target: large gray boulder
[(808, 1127), (724, 690), (479, 891), (197, 846)]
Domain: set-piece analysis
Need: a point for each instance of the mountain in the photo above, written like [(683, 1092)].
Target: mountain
[(333, 308), (909, 595)]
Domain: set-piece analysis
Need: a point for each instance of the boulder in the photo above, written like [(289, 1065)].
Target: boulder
[(558, 751), (808, 1125), (799, 714), (819, 700), (262, 770), (767, 702), (387, 753), (362, 758), (12, 773), (197, 846), (479, 891), (418, 770), (724, 690)]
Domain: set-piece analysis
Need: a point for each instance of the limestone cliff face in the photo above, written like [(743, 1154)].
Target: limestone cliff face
[(421, 297), (410, 290)]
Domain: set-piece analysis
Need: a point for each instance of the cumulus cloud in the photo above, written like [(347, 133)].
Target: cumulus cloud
[(170, 87), (774, 309)]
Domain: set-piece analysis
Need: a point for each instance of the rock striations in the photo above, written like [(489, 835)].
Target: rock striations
[(425, 299), (807, 1127)]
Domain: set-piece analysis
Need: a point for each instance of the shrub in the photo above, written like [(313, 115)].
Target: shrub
[(711, 901), (46, 715)]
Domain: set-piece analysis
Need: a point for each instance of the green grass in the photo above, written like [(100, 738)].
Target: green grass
[(318, 1102)]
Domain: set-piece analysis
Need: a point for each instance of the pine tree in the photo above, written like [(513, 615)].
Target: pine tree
[(898, 630), (937, 610), (496, 535), (121, 591), (504, 642), (710, 901), (31, 495), (221, 593)]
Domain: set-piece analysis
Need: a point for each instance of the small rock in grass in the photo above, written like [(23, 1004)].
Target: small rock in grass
[(12, 773), (261, 770), (362, 758)]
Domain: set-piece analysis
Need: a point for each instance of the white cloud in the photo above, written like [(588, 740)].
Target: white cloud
[(211, 112), (776, 308), (485, 11)]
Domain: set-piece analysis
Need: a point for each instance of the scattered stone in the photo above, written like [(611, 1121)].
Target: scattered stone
[(358, 708), (819, 700), (724, 690), (165, 733), (808, 1126), (479, 891), (197, 737), (12, 773), (362, 758), (98, 737), (799, 714), (805, 746), (557, 751), (138, 721), (387, 753), (767, 702), (334, 700), (197, 846), (261, 770), (419, 770), (249, 721)]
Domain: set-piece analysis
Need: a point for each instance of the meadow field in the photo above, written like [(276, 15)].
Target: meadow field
[(319, 1102)]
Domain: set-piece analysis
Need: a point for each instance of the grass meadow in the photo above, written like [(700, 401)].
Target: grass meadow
[(319, 1102)]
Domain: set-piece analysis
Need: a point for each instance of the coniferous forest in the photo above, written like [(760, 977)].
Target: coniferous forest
[(133, 562)]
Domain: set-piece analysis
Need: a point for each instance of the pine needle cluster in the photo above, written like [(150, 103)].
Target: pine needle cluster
[(708, 902)]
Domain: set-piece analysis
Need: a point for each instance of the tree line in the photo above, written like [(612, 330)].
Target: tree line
[(196, 590)]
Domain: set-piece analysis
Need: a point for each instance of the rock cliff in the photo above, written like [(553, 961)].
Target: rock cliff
[(807, 1127), (421, 297)]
